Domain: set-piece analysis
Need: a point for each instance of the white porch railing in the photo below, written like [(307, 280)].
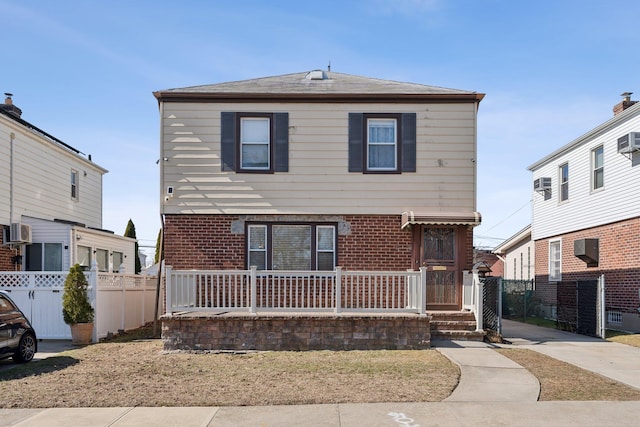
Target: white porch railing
[(307, 291), (472, 296), (121, 301)]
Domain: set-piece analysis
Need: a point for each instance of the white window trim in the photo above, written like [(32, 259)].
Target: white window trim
[(318, 250), (75, 184), (261, 250), (559, 276), (560, 182), (243, 142), (593, 169), (395, 144)]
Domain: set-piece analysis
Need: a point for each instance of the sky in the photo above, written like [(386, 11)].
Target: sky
[(84, 71)]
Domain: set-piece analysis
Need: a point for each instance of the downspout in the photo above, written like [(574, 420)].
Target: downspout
[(12, 137)]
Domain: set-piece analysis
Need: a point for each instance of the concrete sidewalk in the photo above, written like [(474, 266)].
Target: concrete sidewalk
[(613, 360), (340, 415)]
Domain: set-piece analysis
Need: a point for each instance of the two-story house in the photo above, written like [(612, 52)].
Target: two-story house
[(51, 203), (586, 213), (313, 170)]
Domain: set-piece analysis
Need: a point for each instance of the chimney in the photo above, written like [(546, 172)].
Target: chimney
[(626, 103), (9, 107)]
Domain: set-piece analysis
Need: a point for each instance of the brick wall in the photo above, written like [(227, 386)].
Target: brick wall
[(6, 256), (619, 247), (208, 242), (295, 332)]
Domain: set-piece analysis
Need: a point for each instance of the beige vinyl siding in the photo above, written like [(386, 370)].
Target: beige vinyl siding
[(42, 181), (5, 153), (318, 181)]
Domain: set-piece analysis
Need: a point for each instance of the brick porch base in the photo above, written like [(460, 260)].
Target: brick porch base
[(295, 331)]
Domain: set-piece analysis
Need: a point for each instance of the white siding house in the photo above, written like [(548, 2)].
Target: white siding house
[(50, 192), (586, 213), (518, 255)]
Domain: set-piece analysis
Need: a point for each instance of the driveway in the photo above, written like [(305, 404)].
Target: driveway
[(46, 349), (613, 360)]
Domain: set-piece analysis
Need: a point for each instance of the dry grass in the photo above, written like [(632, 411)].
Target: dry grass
[(563, 381), (139, 373), (629, 339)]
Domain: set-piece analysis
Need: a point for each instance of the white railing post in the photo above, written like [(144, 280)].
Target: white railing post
[(254, 289), (93, 297), (477, 301), (167, 288), (423, 291), (338, 307)]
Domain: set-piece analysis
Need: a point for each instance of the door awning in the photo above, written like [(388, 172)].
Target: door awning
[(441, 218)]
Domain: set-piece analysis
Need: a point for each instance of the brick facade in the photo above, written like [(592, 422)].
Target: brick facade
[(211, 242), (6, 259), (619, 252)]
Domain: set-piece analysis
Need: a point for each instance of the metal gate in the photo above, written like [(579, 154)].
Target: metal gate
[(580, 305), (492, 303)]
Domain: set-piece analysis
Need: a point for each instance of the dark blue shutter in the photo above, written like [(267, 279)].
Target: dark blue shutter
[(228, 141), (281, 142), (356, 142), (409, 142)]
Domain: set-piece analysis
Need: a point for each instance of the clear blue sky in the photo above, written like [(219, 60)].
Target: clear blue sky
[(85, 71)]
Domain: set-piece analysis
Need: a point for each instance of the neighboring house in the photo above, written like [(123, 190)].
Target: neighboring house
[(51, 203), (517, 254), (586, 213), (313, 170)]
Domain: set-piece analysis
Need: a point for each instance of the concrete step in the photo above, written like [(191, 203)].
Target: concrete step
[(457, 335)]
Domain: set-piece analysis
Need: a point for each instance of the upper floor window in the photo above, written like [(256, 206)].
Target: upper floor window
[(382, 143), (597, 168), (382, 147), (564, 182), (555, 260), (277, 246), (254, 142), (74, 184)]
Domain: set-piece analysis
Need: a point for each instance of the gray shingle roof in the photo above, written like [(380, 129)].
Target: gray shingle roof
[(324, 84)]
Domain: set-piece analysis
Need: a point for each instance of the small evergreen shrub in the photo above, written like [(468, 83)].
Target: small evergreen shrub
[(76, 307)]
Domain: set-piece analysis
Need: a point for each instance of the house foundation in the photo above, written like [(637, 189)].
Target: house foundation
[(295, 331)]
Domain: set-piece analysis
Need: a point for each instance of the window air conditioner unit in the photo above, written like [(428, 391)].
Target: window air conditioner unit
[(542, 184), (20, 233), (629, 143)]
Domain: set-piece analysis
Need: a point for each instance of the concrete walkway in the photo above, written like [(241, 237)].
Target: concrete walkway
[(486, 375), (616, 361)]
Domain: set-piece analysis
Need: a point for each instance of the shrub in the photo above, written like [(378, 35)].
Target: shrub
[(76, 307)]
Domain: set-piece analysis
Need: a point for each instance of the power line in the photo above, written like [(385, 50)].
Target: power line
[(515, 212)]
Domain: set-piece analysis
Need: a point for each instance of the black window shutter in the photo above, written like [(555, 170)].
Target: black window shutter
[(281, 142), (356, 142), (409, 142), (228, 141)]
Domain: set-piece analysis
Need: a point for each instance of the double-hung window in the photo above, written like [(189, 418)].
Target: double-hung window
[(382, 144), (254, 142), (555, 260), (276, 246), (597, 168), (74, 184), (564, 182)]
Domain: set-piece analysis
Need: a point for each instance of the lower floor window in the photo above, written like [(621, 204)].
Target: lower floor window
[(44, 257), (291, 246)]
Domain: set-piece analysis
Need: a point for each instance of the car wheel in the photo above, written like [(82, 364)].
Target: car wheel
[(26, 349)]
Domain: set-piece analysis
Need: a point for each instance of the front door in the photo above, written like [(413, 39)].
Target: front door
[(442, 253)]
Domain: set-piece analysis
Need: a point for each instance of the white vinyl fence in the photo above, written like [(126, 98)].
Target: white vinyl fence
[(300, 291), (121, 301)]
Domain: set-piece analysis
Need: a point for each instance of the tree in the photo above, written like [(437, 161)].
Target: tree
[(130, 231), (156, 259), (76, 307)]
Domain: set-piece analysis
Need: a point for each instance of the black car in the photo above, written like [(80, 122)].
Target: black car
[(17, 337)]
